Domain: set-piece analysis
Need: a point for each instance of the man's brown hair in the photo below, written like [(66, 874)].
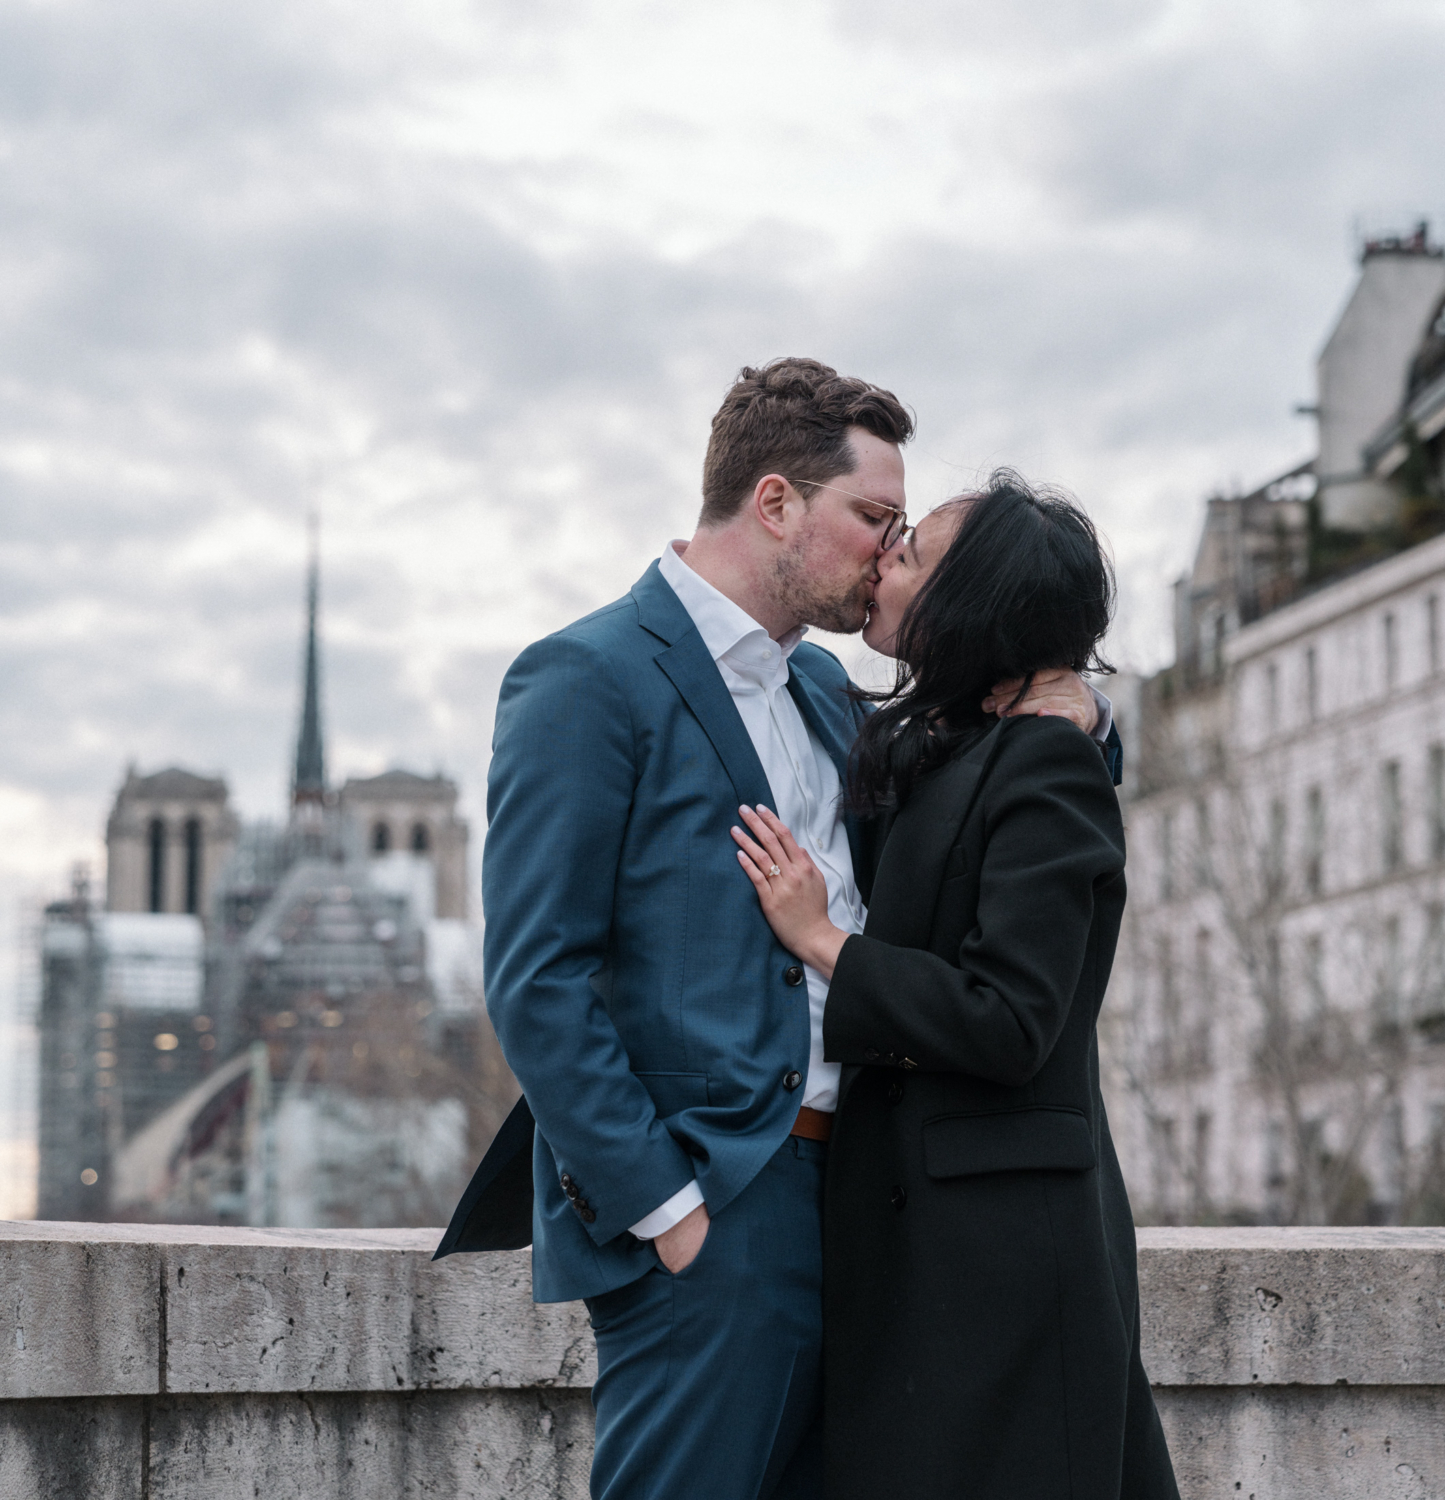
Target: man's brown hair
[(791, 417)]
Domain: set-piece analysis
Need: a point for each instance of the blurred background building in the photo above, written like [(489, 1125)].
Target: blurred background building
[(1275, 1035), (269, 1023)]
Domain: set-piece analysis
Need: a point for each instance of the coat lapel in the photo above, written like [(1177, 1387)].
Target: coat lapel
[(694, 674), (918, 845)]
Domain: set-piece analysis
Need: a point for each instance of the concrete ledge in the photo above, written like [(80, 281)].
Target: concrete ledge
[(1293, 1306), (175, 1361), (116, 1309)]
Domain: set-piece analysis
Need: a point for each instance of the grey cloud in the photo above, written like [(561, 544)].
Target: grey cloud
[(157, 236), (1025, 28)]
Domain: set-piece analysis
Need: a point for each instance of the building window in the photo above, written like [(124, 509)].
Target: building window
[(1203, 845), (1221, 627), (1392, 652), (1391, 990), (1312, 685), (1314, 840), (1274, 855), (380, 838), (1168, 1000), (1391, 823), (157, 835), (1314, 966), (1437, 801), (1200, 1022), (1163, 1164), (1432, 631), (1430, 997), (1166, 857), (420, 838), (193, 866), (1271, 696), (1200, 1168)]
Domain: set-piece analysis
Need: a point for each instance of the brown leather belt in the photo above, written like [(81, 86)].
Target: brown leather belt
[(813, 1124)]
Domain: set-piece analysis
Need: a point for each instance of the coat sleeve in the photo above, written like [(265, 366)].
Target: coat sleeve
[(559, 796), (1051, 834)]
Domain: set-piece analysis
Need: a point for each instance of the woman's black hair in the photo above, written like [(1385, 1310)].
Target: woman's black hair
[(1023, 586)]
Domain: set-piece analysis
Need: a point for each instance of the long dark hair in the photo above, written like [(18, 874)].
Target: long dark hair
[(1023, 586)]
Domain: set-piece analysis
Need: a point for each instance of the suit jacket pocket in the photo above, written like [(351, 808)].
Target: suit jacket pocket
[(1037, 1139), (674, 1092)]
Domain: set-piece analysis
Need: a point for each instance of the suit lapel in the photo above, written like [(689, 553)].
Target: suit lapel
[(692, 671), (828, 717), (918, 845)]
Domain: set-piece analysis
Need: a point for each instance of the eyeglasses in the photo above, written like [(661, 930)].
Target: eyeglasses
[(897, 519)]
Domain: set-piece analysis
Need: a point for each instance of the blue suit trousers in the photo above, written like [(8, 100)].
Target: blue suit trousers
[(709, 1382)]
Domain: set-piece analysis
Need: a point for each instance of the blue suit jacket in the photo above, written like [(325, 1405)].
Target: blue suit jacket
[(638, 993)]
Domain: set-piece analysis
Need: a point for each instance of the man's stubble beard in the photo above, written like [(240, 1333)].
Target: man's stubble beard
[(842, 612)]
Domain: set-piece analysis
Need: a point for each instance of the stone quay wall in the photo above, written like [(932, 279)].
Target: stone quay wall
[(169, 1363)]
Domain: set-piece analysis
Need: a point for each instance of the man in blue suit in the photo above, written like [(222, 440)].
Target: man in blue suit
[(669, 1049)]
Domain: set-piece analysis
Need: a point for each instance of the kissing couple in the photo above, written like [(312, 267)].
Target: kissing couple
[(800, 983)]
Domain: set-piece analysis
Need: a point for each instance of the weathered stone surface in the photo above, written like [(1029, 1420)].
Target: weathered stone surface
[(1307, 1443), (81, 1315), (334, 1314), (1295, 1364), (471, 1445), (53, 1450), (1293, 1306)]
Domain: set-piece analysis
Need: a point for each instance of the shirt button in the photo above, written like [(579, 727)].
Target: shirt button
[(791, 1079), (793, 974)]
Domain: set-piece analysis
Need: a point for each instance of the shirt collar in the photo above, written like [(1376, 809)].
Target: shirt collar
[(721, 623)]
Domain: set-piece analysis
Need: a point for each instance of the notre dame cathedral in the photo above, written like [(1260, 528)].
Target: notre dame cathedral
[(269, 1023)]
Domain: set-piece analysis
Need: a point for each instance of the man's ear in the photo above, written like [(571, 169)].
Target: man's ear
[(770, 504)]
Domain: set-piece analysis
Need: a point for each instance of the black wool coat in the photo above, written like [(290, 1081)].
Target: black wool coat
[(981, 1292)]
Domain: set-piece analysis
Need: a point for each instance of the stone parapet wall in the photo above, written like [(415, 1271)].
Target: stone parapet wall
[(166, 1363)]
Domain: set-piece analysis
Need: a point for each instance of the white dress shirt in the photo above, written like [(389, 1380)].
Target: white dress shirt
[(807, 796)]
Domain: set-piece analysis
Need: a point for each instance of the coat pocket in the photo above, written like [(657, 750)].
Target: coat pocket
[(1038, 1139), (674, 1092)]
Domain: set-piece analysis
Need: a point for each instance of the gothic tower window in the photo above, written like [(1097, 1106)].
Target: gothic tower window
[(157, 834), (381, 838), (420, 838), (193, 866)]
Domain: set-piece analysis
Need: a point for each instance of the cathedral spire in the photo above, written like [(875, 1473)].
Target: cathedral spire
[(309, 783)]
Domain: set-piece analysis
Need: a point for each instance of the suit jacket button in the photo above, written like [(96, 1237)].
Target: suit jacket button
[(791, 1079), (566, 1181), (793, 974), (572, 1191), (898, 1197), (895, 1091), (588, 1216)]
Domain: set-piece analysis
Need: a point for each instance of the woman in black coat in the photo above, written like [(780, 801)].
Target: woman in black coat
[(981, 1294)]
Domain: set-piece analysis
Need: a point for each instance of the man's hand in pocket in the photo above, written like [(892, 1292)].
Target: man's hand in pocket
[(677, 1247)]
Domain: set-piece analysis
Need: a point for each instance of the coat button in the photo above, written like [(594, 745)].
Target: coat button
[(572, 1191), (588, 1217), (793, 974), (870, 1054), (898, 1197), (791, 1079), (566, 1181), (895, 1091)]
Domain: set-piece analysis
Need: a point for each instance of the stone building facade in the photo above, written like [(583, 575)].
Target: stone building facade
[(269, 1023), (1274, 1040), (168, 838)]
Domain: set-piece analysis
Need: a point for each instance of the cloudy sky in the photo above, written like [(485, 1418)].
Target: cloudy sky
[(471, 277)]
